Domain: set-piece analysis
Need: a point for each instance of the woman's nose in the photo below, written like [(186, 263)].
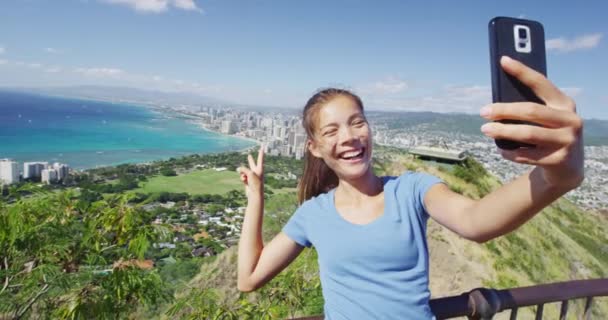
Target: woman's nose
[(347, 135)]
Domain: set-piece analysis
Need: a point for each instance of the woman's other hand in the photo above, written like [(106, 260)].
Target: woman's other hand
[(253, 177), (558, 139)]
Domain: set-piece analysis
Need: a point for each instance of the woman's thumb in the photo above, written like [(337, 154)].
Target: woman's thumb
[(243, 170)]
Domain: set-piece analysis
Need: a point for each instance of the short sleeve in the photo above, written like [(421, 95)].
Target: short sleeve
[(422, 182), (296, 227)]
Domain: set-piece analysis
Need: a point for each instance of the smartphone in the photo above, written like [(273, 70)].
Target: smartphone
[(522, 40)]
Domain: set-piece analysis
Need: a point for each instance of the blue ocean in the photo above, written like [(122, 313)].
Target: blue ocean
[(87, 134)]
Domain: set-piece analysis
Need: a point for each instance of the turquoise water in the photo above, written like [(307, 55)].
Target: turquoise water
[(87, 134)]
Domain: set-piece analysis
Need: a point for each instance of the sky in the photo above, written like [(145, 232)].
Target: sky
[(397, 55)]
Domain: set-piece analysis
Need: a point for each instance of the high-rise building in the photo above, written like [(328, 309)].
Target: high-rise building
[(299, 141), (266, 122), (9, 171), (33, 170), (62, 170), (279, 132), (299, 152), (291, 138), (229, 126), (49, 176), (285, 150)]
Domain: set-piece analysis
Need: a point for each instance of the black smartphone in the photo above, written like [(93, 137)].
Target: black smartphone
[(522, 40)]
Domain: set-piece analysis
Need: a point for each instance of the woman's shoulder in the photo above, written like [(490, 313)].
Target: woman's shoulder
[(408, 176), (411, 180), (319, 201)]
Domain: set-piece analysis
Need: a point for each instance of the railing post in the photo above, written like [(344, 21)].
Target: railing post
[(563, 312), (587, 314), (484, 303)]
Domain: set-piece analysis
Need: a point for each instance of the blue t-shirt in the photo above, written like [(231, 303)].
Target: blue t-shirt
[(378, 270)]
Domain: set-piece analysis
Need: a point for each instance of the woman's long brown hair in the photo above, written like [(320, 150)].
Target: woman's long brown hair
[(318, 177)]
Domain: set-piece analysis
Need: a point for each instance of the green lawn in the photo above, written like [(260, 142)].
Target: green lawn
[(198, 182)]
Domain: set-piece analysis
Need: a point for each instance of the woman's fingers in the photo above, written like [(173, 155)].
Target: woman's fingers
[(537, 156), (541, 86), (529, 111), (530, 134), (252, 165), (261, 159)]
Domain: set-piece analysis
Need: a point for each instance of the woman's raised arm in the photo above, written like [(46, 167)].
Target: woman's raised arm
[(558, 157), (258, 264)]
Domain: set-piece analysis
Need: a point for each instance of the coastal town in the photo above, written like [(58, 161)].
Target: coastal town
[(282, 134)]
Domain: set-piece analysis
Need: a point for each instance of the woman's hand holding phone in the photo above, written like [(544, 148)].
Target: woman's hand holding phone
[(558, 139)]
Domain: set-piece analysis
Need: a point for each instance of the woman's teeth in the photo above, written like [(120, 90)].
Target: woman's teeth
[(352, 154)]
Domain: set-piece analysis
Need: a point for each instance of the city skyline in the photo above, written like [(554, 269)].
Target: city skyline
[(397, 56)]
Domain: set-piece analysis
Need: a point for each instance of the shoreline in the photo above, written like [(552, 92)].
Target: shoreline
[(202, 127), (83, 160)]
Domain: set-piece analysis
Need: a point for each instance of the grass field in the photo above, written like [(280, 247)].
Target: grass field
[(197, 182)]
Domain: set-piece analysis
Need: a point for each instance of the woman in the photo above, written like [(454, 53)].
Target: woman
[(370, 232)]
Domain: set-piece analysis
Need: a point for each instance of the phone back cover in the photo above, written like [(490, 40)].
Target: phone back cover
[(505, 88)]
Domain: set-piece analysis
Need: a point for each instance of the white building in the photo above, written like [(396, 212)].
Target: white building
[(49, 176), (285, 150), (9, 171), (62, 170), (299, 141), (33, 169), (299, 152), (229, 126)]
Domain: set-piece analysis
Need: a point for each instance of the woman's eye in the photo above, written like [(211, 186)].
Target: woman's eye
[(329, 133), (359, 123)]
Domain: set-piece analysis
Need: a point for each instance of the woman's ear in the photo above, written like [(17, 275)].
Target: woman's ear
[(313, 148)]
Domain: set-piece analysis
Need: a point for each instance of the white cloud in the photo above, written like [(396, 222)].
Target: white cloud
[(3, 61), (157, 6), (467, 99), (584, 42), (54, 69), (468, 93), (572, 91), (52, 50), (34, 65), (389, 85), (186, 5), (157, 78), (450, 98), (2, 50), (100, 72)]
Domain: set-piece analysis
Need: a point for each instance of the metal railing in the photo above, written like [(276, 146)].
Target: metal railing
[(484, 303)]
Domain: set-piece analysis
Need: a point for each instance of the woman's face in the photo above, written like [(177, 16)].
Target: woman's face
[(343, 138)]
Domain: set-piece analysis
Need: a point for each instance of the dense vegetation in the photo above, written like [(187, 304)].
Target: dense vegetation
[(65, 257), (92, 248)]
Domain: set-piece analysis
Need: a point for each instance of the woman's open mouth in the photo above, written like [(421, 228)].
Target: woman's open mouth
[(352, 155)]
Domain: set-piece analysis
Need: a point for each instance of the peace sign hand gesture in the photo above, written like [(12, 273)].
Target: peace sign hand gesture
[(559, 139), (253, 177)]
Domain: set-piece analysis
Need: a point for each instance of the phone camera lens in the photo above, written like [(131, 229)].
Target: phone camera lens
[(523, 34)]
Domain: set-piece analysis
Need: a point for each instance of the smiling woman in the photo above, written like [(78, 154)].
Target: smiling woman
[(370, 232)]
